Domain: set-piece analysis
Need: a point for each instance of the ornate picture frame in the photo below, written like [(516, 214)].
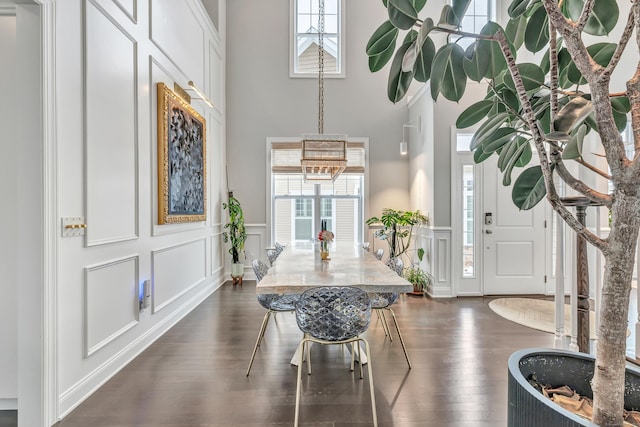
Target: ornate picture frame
[(182, 165)]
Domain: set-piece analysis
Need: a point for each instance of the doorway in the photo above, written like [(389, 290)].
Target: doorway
[(498, 249)]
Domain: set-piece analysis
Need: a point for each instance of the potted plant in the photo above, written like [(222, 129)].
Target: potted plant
[(237, 235), (419, 278), (549, 105), (397, 229)]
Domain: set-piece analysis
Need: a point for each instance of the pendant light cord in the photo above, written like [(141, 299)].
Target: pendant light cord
[(321, 67)]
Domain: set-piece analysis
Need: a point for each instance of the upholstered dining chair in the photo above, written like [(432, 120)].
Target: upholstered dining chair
[(333, 315), (274, 303), (379, 253), (382, 301)]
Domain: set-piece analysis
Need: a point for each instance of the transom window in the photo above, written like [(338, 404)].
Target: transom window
[(479, 13), (304, 40)]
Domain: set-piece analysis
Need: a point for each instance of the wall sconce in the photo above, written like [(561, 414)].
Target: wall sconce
[(404, 147), (201, 94)]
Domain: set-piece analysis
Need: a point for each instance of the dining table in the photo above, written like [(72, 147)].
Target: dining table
[(300, 267)]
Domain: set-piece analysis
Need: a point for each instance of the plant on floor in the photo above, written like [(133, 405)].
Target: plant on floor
[(551, 105), (235, 233), (397, 229), (419, 278)]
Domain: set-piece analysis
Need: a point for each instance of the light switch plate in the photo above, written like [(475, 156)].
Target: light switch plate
[(73, 226)]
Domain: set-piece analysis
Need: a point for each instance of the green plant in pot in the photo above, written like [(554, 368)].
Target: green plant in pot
[(543, 111), (236, 234), (419, 278), (397, 229)]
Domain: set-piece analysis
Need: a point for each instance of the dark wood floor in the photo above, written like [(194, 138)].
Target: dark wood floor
[(195, 374)]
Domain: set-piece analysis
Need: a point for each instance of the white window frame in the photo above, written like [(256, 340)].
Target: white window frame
[(362, 234), (293, 31)]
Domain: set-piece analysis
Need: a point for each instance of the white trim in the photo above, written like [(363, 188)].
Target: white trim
[(51, 408), (8, 404), (341, 44)]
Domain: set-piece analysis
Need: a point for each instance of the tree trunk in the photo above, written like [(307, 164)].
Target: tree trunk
[(608, 380)]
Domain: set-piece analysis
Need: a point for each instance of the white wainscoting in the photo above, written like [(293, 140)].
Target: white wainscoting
[(111, 301), (217, 252), (255, 247), (111, 131), (129, 7), (166, 16), (177, 270), (438, 258)]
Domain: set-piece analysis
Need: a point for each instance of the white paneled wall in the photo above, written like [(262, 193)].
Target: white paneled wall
[(111, 98), (110, 56)]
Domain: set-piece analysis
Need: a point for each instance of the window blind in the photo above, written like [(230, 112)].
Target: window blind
[(285, 158)]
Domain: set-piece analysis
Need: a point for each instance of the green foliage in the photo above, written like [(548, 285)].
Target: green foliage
[(502, 129), (234, 230), (419, 278), (397, 228)]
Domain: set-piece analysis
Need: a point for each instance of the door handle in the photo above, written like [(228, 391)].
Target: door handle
[(488, 231)]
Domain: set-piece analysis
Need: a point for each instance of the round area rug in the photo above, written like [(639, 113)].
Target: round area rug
[(537, 314)]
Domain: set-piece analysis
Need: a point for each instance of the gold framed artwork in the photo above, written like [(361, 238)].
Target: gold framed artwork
[(182, 177)]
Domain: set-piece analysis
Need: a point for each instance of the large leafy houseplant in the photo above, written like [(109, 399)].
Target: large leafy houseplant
[(397, 229), (550, 105), (234, 229)]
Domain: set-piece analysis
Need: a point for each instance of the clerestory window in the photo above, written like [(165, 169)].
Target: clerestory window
[(304, 38)]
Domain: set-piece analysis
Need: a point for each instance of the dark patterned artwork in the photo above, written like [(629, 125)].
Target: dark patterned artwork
[(181, 160)]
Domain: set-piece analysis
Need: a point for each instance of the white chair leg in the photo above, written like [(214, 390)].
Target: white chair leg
[(263, 327), (373, 394), (301, 349), (404, 348)]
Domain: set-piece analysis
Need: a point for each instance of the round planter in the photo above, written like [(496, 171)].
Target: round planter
[(529, 408)]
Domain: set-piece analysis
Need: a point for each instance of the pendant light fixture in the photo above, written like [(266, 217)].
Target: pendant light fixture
[(324, 157)]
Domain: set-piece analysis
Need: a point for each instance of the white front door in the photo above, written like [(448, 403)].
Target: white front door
[(513, 241)]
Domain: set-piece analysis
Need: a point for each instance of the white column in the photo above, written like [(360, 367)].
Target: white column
[(559, 294)]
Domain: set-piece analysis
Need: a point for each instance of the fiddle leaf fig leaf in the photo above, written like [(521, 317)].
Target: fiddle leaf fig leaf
[(515, 31), (531, 74), (424, 61), (573, 149), (487, 128), (498, 139), (517, 153), (536, 35), (399, 80), (377, 62), (491, 50), (475, 65), (384, 37), (402, 13), (419, 4), (602, 20), (572, 114), (474, 113), (447, 73), (517, 8), (529, 189)]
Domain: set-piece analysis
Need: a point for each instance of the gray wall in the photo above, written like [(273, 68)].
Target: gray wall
[(263, 101)]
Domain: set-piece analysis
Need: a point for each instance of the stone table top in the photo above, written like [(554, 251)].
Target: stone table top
[(299, 268)]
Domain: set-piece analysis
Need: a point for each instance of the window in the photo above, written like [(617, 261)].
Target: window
[(478, 14), (304, 38), (298, 207)]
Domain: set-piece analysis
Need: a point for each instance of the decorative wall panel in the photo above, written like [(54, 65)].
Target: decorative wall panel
[(129, 7), (216, 88), (111, 301), (176, 270), (111, 130), (166, 16)]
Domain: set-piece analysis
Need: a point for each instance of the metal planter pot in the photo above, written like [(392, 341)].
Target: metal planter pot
[(529, 408)]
